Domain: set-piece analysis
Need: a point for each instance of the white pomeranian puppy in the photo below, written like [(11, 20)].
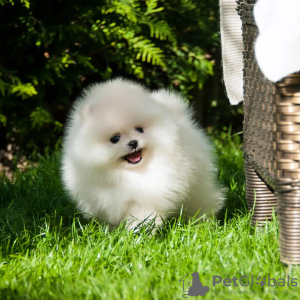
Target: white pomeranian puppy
[(129, 154)]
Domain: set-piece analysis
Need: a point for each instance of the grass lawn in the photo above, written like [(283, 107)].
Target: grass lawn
[(48, 251)]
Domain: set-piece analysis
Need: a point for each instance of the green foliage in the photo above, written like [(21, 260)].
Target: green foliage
[(51, 50)]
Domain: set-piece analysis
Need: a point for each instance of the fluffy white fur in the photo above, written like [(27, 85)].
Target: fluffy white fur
[(176, 168)]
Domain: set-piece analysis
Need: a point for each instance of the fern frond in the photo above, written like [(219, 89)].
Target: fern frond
[(152, 7), (159, 29), (124, 8), (147, 51), (24, 90)]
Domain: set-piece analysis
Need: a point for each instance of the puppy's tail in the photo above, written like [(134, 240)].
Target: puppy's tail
[(173, 101)]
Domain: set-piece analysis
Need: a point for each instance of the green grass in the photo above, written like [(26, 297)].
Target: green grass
[(48, 251)]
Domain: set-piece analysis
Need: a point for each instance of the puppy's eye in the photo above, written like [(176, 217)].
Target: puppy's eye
[(115, 139), (139, 129)]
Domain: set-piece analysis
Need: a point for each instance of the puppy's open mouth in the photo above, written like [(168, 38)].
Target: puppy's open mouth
[(134, 157)]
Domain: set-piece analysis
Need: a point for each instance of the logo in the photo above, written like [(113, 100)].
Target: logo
[(252, 281), (195, 287), (245, 284)]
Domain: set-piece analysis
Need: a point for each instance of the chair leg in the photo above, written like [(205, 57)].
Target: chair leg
[(260, 199), (287, 166), (289, 230)]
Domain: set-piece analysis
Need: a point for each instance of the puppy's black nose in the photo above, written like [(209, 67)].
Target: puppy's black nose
[(133, 144)]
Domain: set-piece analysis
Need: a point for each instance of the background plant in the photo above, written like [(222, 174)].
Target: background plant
[(52, 49)]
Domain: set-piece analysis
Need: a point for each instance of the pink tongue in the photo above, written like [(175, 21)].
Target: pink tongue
[(134, 157)]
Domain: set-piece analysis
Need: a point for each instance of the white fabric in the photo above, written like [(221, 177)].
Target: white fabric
[(232, 50), (277, 48)]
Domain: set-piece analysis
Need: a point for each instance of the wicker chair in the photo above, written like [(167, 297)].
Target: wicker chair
[(271, 144)]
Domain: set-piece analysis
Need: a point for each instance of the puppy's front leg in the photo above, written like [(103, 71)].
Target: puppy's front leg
[(138, 216)]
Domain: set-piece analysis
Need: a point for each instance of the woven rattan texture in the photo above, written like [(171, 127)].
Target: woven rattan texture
[(287, 127), (271, 115), (259, 99)]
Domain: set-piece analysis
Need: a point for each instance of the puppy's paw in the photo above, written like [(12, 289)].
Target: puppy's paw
[(149, 225)]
